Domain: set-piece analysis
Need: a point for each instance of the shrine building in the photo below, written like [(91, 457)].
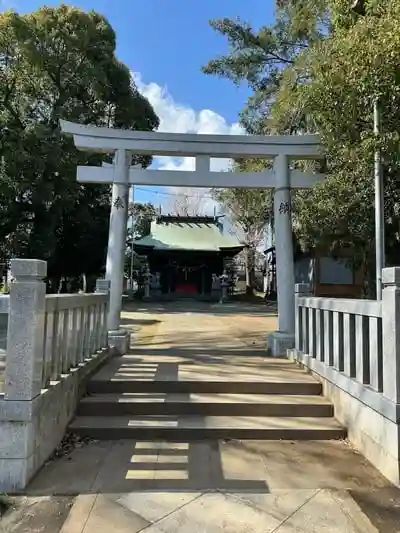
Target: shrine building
[(186, 256)]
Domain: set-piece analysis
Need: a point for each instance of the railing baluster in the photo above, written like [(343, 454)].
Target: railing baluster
[(376, 354), (87, 332), (328, 329), (99, 333), (92, 329), (81, 344), (96, 328), (311, 332), (298, 328), (320, 335), (48, 348), (362, 352), (64, 342), (338, 341), (56, 348), (305, 329), (349, 348), (74, 337), (104, 341)]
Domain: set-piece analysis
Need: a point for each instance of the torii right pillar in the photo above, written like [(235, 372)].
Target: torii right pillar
[(283, 339)]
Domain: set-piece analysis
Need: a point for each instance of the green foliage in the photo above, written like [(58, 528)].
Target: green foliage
[(142, 215), (261, 57), (58, 63), (320, 70), (348, 71)]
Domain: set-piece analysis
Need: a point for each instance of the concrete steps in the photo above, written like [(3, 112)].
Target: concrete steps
[(191, 428), (205, 404), (119, 386), (177, 398)]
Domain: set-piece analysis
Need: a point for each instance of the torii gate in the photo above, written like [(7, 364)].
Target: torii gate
[(122, 143)]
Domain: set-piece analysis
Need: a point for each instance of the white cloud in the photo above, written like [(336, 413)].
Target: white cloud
[(178, 118)]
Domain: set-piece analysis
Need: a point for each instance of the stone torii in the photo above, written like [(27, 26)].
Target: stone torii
[(123, 143)]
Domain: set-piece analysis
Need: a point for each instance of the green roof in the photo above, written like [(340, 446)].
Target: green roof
[(188, 233)]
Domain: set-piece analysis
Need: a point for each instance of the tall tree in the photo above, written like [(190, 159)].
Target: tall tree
[(141, 216), (338, 63), (356, 65), (249, 211), (58, 63), (264, 58)]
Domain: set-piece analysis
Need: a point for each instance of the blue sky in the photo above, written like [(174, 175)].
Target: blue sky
[(165, 42)]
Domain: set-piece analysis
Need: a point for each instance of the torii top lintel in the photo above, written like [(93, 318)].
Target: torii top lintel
[(100, 139)]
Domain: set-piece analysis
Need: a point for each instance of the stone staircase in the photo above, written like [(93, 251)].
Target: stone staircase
[(176, 400)]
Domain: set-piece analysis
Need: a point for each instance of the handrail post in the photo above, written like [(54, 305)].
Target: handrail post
[(103, 287), (391, 333), (26, 325)]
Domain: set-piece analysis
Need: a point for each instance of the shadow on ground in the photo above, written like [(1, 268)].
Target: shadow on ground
[(195, 307), (234, 466)]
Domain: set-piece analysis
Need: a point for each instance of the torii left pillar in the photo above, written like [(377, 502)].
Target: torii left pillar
[(118, 337)]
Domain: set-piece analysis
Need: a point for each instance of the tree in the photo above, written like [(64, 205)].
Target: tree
[(249, 211), (349, 70), (141, 216), (187, 201), (264, 58), (58, 63), (325, 82)]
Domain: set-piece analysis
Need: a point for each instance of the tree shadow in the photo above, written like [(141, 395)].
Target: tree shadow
[(139, 466), (197, 307)]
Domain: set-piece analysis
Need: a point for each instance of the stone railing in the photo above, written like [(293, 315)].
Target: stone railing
[(54, 342), (75, 328), (353, 346)]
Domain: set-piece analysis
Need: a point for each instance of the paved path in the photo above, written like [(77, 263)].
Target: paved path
[(212, 487)]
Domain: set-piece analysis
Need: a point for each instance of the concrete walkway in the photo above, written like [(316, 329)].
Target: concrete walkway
[(216, 486)]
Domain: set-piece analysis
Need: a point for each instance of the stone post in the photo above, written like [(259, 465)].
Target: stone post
[(102, 286), (147, 278), (119, 338), (391, 333), (25, 336), (284, 338), (224, 286)]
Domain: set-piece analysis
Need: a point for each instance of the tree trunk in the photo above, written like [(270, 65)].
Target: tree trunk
[(369, 291), (249, 269)]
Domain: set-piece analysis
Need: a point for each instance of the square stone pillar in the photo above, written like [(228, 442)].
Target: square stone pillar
[(19, 428), (25, 336)]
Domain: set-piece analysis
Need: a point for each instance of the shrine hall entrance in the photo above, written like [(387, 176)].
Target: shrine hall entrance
[(190, 279), (187, 276)]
